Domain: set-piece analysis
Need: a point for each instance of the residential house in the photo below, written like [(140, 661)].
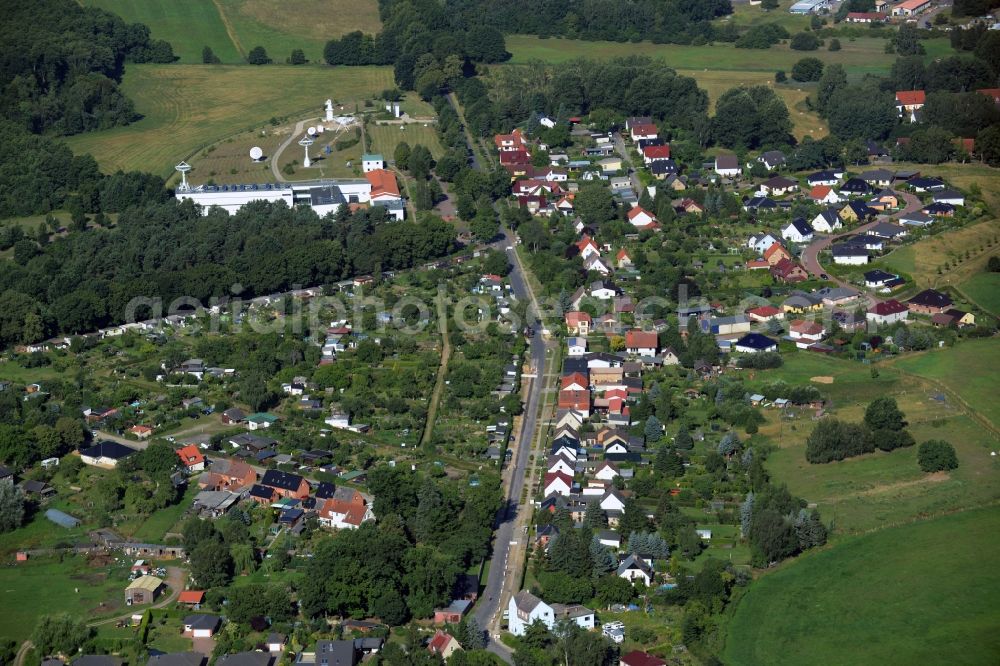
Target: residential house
[(916, 219), (576, 346), (779, 186), (929, 301), (557, 483), (798, 231), (765, 313), (834, 296), (760, 205), (578, 323), (910, 8), (776, 253), (228, 474), (666, 170), (596, 264), (824, 194), (260, 421), (828, 178), (800, 301), (938, 209), (772, 159), (856, 211), (887, 312), (878, 178), (827, 221), (924, 184), (338, 513), (285, 484), (191, 598), (728, 325), (524, 609), (877, 279), (443, 644), (641, 131), (513, 142), (851, 254), (192, 458), (623, 260), (753, 343), (788, 271), (652, 154), (950, 197), (888, 231), (453, 613), (641, 343), (760, 242), (105, 454), (806, 333), (561, 463), (606, 471), (641, 218), (958, 318), (635, 569), (177, 659), (909, 102), (727, 166), (854, 187)]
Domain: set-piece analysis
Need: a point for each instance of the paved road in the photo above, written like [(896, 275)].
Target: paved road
[(503, 575), (810, 255), (296, 134)]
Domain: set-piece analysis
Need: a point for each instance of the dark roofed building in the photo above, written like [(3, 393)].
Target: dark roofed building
[(929, 301), (286, 484), (177, 659), (105, 453)]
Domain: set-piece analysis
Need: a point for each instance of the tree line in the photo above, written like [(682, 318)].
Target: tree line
[(62, 63), (85, 280)]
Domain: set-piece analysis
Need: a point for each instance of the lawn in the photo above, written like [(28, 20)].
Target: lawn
[(862, 56), (233, 27), (46, 585), (188, 107), (984, 290), (189, 25), (868, 601), (922, 259), (384, 138), (155, 527), (968, 369)]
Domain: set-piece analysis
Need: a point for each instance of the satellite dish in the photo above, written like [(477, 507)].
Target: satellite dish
[(256, 153), (311, 131)]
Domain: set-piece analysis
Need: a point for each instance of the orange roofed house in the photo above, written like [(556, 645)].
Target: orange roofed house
[(345, 514), (229, 475), (908, 102), (776, 253), (508, 143), (578, 323), (192, 459), (576, 400), (385, 193)]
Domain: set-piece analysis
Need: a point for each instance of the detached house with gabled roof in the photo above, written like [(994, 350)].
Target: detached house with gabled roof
[(776, 253), (798, 231), (642, 218), (929, 301), (827, 221), (557, 483), (824, 194), (772, 159), (887, 312), (635, 569), (908, 102), (641, 343), (727, 166), (779, 186), (285, 484)]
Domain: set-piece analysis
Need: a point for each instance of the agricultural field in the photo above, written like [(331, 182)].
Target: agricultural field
[(984, 290), (868, 601), (233, 27), (384, 138), (189, 107), (864, 55), (922, 259), (49, 585), (189, 25)]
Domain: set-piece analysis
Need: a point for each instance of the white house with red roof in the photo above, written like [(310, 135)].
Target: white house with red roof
[(578, 322), (192, 458), (512, 142), (557, 483), (887, 312), (643, 131), (765, 313), (641, 343), (908, 102), (642, 218), (622, 259), (587, 247), (806, 333), (574, 382), (652, 154)]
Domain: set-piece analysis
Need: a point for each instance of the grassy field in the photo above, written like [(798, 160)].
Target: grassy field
[(984, 289), (187, 108), (869, 601), (384, 138), (46, 585), (964, 370), (189, 25), (307, 25), (881, 489), (861, 56), (233, 27), (922, 259)]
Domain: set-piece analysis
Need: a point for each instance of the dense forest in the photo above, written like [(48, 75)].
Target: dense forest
[(665, 21), (85, 280), (61, 74)]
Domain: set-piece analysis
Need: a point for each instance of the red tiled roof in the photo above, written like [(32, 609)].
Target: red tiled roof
[(764, 311), (775, 248), (804, 327), (644, 129), (383, 182), (911, 97), (819, 192), (191, 597), (190, 455), (575, 378), (891, 306), (637, 658), (576, 317), (654, 152), (641, 340)]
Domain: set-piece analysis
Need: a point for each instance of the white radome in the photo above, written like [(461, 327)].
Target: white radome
[(256, 153)]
